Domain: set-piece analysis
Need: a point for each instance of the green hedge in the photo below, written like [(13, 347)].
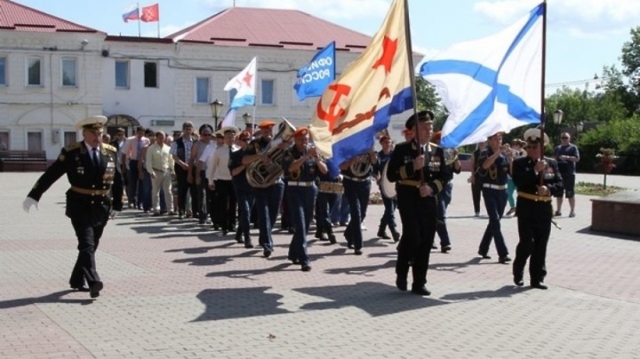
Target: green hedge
[(621, 135)]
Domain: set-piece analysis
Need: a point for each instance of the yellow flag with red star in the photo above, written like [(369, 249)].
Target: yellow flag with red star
[(374, 87)]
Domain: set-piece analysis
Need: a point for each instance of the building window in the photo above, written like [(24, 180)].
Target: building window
[(69, 71), (70, 137), (122, 74), (4, 141), (34, 71), (267, 87), (3, 71), (34, 141), (151, 74), (202, 90)]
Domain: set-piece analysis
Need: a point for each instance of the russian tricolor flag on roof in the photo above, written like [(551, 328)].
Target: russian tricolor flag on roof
[(131, 13)]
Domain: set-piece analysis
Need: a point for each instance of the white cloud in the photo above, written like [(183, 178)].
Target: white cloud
[(582, 18), (165, 30), (335, 9)]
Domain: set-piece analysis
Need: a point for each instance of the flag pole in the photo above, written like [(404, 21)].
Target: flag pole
[(138, 10), (412, 77), (158, 20), (255, 103), (542, 85)]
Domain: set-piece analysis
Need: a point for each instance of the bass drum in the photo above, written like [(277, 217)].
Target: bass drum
[(388, 189)]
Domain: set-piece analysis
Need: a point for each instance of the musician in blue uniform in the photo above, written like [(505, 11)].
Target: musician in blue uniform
[(534, 208), (329, 190), (389, 217), (268, 199), (95, 191), (356, 179), (243, 191), (301, 166), (417, 202), (494, 169)]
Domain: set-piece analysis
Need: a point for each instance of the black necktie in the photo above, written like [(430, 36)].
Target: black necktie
[(96, 159)]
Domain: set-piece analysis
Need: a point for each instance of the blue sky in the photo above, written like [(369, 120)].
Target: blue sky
[(583, 35)]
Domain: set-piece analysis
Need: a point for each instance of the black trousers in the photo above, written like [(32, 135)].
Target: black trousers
[(534, 227), (88, 235), (226, 205), (418, 216), (324, 206), (476, 194), (185, 187)]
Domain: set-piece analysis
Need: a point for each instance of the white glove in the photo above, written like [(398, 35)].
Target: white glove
[(28, 203), (114, 214)]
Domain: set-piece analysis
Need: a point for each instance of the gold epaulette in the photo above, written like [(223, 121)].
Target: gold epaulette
[(108, 147), (73, 146)]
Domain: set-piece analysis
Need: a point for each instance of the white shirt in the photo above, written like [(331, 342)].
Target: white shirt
[(90, 150), (158, 158), (218, 164), (131, 146), (206, 154)]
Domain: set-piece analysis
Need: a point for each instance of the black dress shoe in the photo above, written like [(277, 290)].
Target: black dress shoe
[(248, 245), (518, 281), (294, 261), (504, 260), (80, 288), (95, 288), (332, 239), (445, 249), (396, 236), (358, 252), (484, 256), (383, 235), (433, 246), (401, 283), (266, 253), (306, 268), (420, 290), (539, 285)]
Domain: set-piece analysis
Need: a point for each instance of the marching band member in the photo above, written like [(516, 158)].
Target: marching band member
[(390, 204), (301, 165), (534, 208), (330, 188), (417, 202), (494, 168), (244, 192), (356, 174), (267, 199)]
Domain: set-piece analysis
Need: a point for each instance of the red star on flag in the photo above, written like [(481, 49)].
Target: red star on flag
[(389, 48), (247, 79)]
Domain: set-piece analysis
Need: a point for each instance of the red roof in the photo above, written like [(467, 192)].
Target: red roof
[(290, 29), (14, 16)]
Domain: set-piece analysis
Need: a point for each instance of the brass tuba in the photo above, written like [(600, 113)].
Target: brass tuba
[(261, 175)]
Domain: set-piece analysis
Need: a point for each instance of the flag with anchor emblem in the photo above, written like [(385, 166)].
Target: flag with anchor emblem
[(370, 90)]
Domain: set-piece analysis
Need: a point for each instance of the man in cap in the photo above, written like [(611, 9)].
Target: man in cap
[(268, 199), (389, 217), (495, 165), (243, 191), (421, 173), (301, 166), (537, 178), (95, 191), (444, 198), (219, 178)]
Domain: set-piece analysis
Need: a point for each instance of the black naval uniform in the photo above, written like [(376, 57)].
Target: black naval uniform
[(418, 214), (357, 189), (328, 191), (534, 216), (300, 198), (95, 191)]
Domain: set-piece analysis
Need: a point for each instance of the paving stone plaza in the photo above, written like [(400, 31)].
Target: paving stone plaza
[(177, 290)]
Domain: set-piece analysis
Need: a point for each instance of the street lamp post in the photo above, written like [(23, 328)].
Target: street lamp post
[(557, 119), (216, 110)]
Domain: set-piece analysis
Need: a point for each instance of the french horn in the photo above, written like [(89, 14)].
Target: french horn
[(261, 175), (362, 166)]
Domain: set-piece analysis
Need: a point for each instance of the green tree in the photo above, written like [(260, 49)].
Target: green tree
[(428, 99)]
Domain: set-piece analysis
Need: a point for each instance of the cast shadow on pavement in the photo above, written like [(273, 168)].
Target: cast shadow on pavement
[(50, 298), (233, 303), (376, 299), (362, 270), (215, 260), (589, 232), (505, 292), (162, 228)]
